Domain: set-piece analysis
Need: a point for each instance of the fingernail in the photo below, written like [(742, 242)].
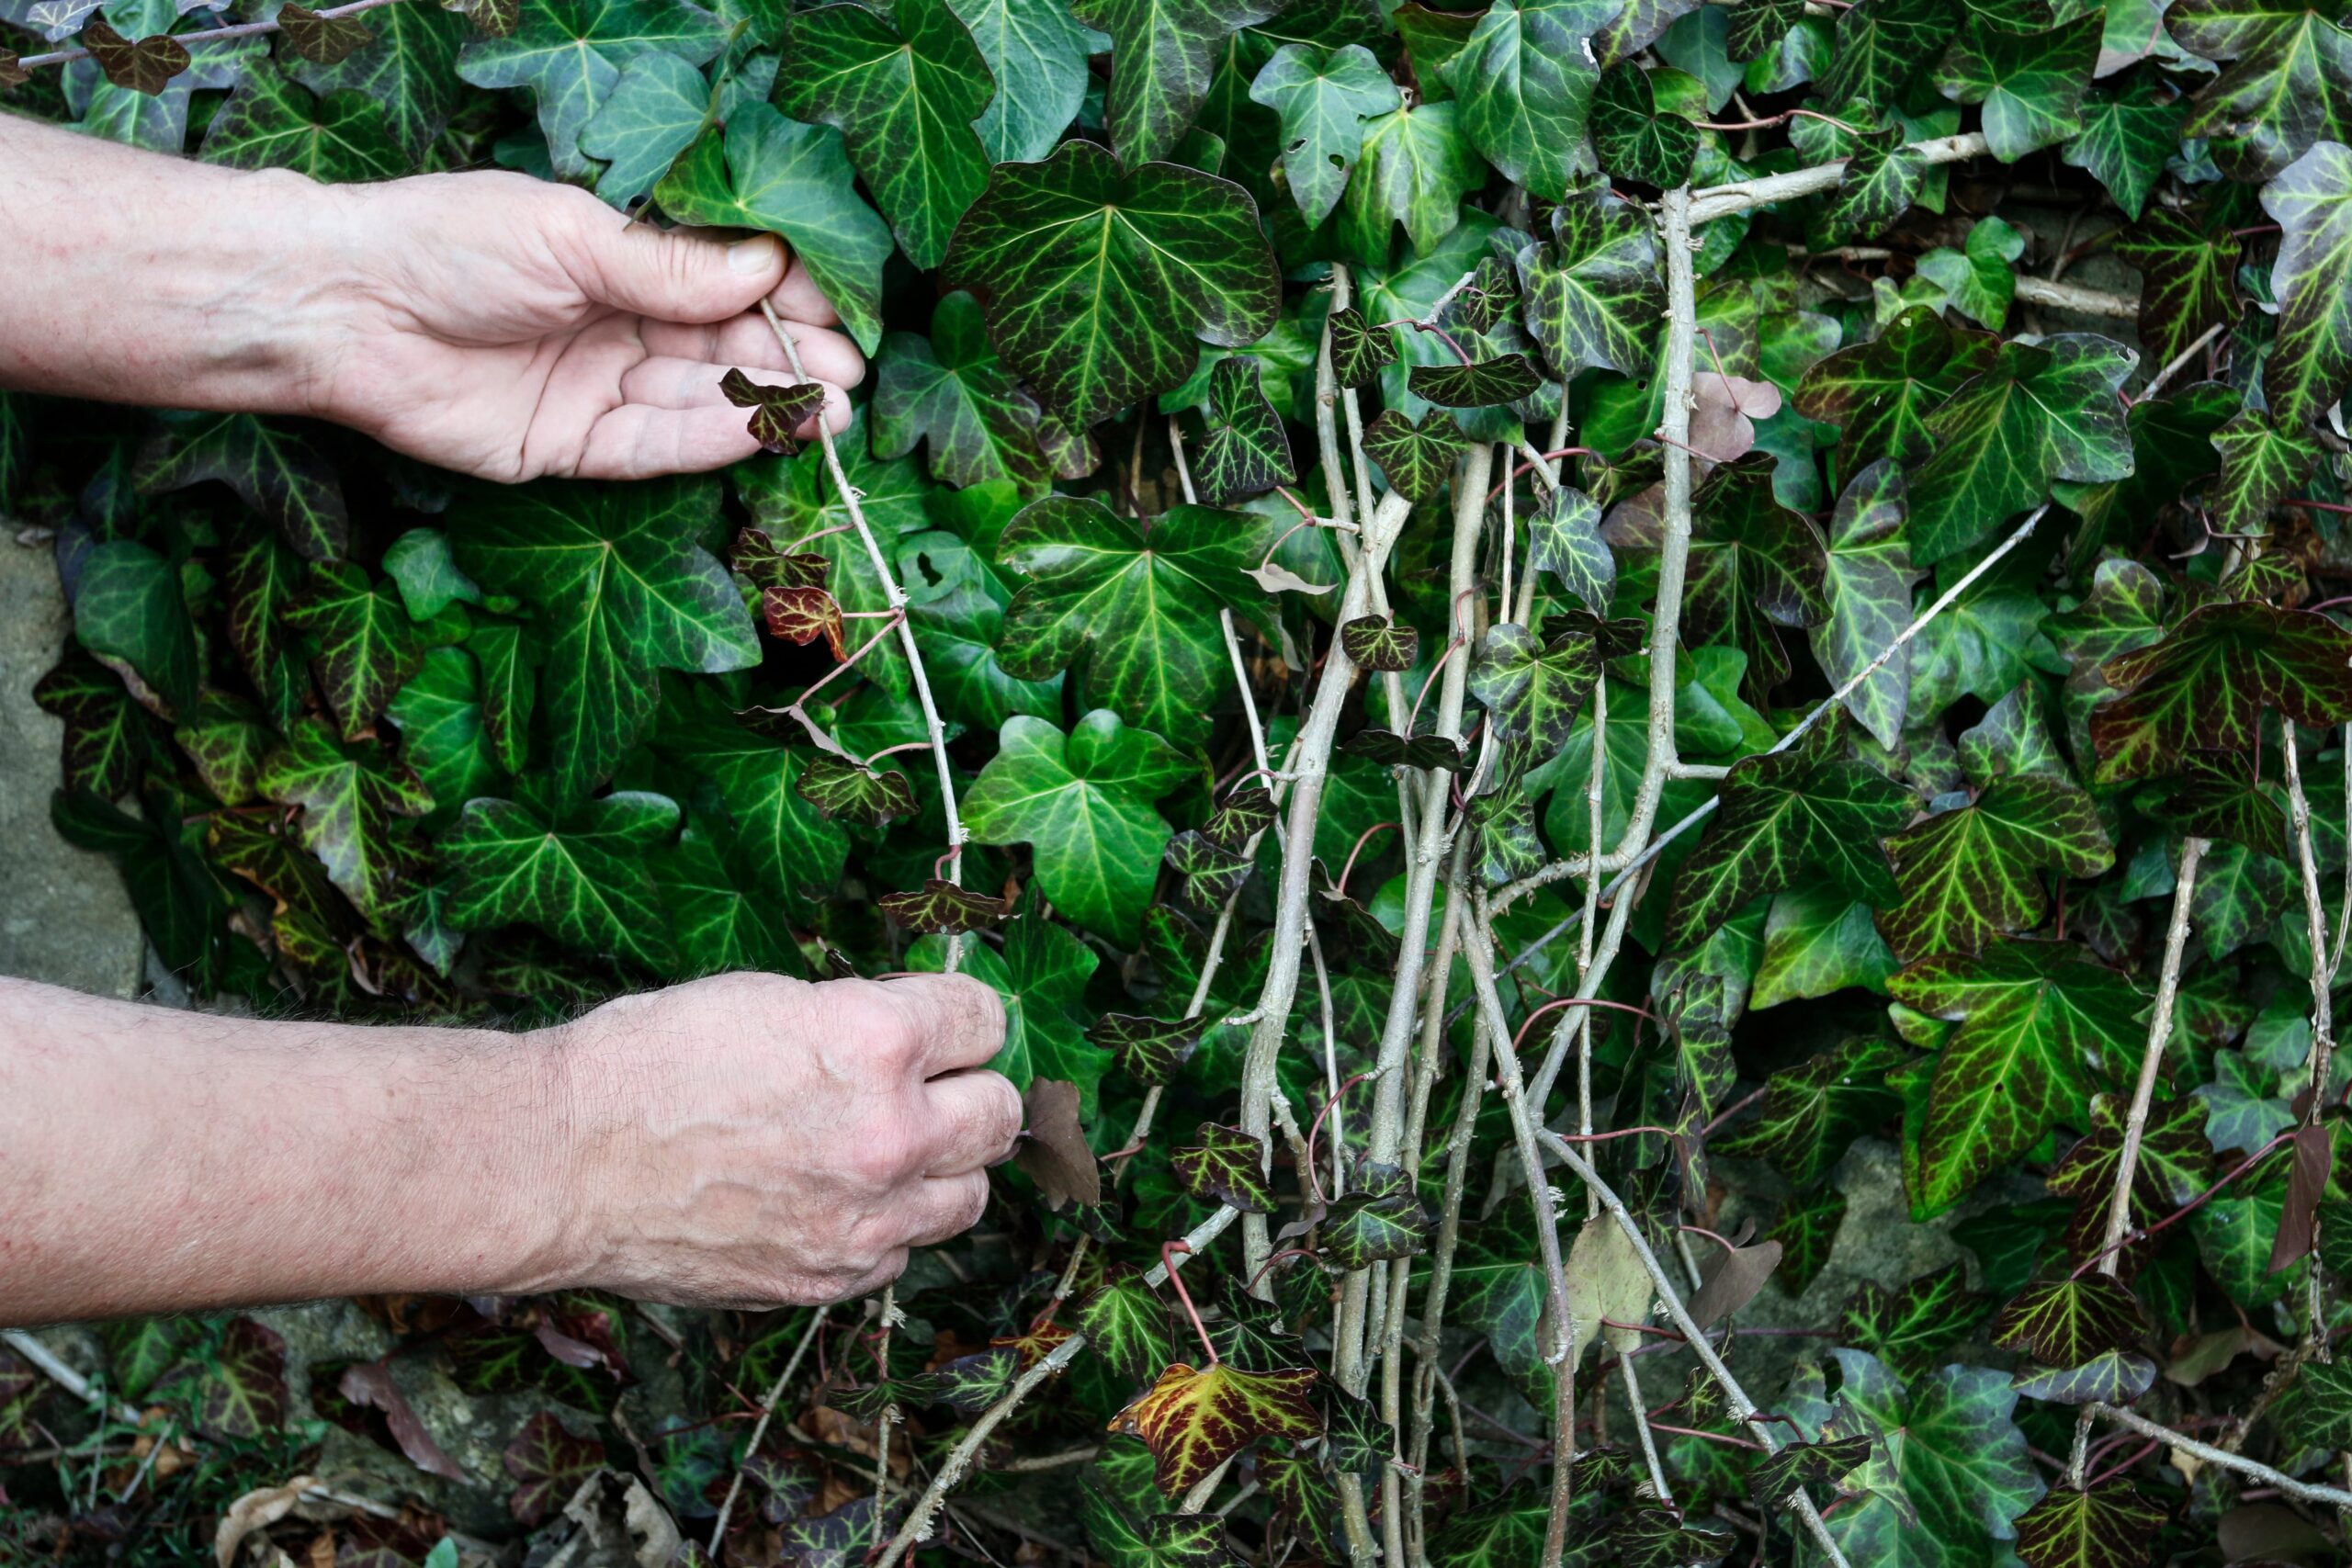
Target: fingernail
[(755, 255)]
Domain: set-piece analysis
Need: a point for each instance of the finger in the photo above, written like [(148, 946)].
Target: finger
[(750, 342), (670, 275), (971, 1120), (798, 298), (944, 1207), (665, 383), (959, 1021), (638, 441)]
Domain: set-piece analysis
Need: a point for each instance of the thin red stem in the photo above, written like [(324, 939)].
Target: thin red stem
[(1725, 1437), (808, 538), (1268, 1263), (2319, 505), (1548, 457), (2187, 1209), (1427, 681), (1177, 1280), (1340, 887), (1702, 1230), (1520, 1039), (1314, 1184), (1731, 1110)]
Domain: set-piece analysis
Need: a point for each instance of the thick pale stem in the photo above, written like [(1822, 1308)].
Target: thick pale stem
[(2135, 1120), (2299, 813), (1722, 201), (2132, 1421)]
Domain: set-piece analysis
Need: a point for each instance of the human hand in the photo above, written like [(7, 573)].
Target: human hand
[(752, 1141), (510, 328)]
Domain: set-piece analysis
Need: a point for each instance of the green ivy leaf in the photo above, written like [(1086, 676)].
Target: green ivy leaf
[(1418, 457), (1882, 45), (767, 171), (582, 876), (410, 68), (2029, 83), (658, 105), (570, 54), (1084, 804), (904, 92), (1634, 140), (2310, 366), (1795, 813), (793, 855), (2207, 685), (1226, 1165), (2033, 415), (128, 610), (1880, 181), (1163, 54), (622, 591), (839, 787), (367, 647), (1380, 1224), (1883, 391), (1981, 281), (1818, 941), (354, 801), (1416, 168), (1594, 293), (1323, 99), (2128, 132), (274, 470), (2262, 465), (2032, 1016), (1755, 565), (1247, 451), (1149, 1050), (107, 736), (2288, 87), (439, 713), (1968, 875), (720, 919), (1359, 349), (2108, 1526), (1036, 53), (1098, 282), (1136, 603), (2065, 1323), (1533, 688), (951, 391), (1484, 383), (272, 123), (1524, 79)]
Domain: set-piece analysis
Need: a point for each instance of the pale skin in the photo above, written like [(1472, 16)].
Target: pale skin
[(746, 1140)]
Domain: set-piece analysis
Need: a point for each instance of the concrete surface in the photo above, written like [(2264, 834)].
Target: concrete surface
[(64, 917)]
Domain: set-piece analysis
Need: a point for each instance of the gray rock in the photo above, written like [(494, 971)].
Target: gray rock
[(67, 920)]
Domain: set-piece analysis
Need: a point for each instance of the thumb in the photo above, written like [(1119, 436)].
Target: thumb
[(679, 276)]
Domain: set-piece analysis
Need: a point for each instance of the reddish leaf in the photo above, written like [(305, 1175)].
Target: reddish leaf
[(2314, 1161), (369, 1385), (547, 1462), (1193, 1421), (777, 412), (804, 614), (1055, 1155), (942, 909), (146, 66)]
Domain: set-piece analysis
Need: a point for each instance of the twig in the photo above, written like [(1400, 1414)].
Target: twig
[(1722, 201), (2303, 1490), (767, 1413), (2299, 813), (896, 597), (47, 1362), (1743, 1409), (2156, 382), (210, 35), (2118, 1209)]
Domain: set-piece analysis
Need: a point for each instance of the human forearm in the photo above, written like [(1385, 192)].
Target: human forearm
[(155, 1160), (144, 279)]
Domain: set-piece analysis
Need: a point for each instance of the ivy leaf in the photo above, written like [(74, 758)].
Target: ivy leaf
[(1524, 79), (582, 876), (2288, 86), (1163, 54), (777, 412), (2128, 132), (622, 592), (1594, 293), (439, 712), (1359, 349), (2065, 1323), (1149, 1050), (839, 787), (1633, 139), (1390, 749), (2207, 685), (2033, 415), (570, 53), (1800, 1465), (1755, 565), (1323, 99), (322, 40), (145, 66), (1194, 1421), (1883, 392), (1565, 540), (2108, 1526), (1084, 804), (107, 738), (548, 1463), (1869, 590), (1489, 297), (1881, 44), (1505, 379), (271, 123), (1226, 1166), (2310, 365), (1416, 168), (1417, 456), (369, 649), (128, 610), (1532, 690), (951, 391), (1966, 875), (2032, 1016), (1378, 642), (1981, 280), (1246, 811), (1037, 54), (1207, 874), (1878, 184), (720, 920), (410, 68), (238, 1392), (1818, 941), (2262, 464), (769, 173), (904, 92), (1812, 1113), (353, 800), (2029, 83), (1383, 1223), (1247, 451), (1098, 282), (2216, 796), (942, 909), (801, 615), (272, 470), (2186, 279), (1133, 605)]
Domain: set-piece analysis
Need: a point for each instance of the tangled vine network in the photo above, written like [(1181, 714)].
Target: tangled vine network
[(1663, 821)]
